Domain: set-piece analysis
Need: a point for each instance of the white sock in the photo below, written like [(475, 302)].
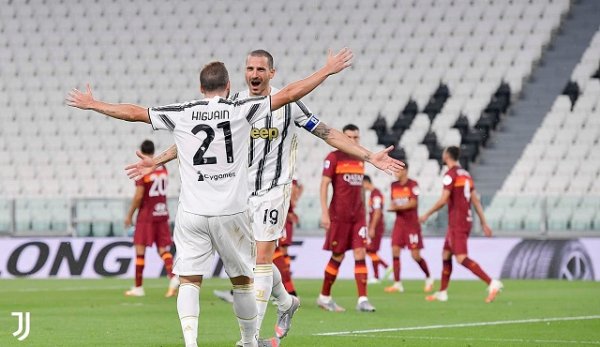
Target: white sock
[(188, 308), (244, 306), (362, 299), (263, 284), (284, 299), (325, 298)]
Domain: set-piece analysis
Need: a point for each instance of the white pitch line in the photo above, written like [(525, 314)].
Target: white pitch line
[(461, 325), (479, 339)]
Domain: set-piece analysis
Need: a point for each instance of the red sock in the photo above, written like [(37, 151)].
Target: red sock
[(375, 261), (446, 272), (167, 258), (383, 263), (423, 264), (476, 269), (360, 275), (396, 262), (139, 270), (287, 277), (331, 272)]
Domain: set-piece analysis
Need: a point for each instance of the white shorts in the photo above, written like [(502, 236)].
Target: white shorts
[(269, 212), (198, 237)]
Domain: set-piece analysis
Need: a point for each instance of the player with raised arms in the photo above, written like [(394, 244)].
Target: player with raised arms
[(272, 160), (211, 135), (459, 193)]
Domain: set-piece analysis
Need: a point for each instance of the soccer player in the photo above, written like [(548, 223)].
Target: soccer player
[(211, 136), (344, 222), (407, 230), (459, 193), (281, 257), (375, 228), (152, 223), (272, 156)]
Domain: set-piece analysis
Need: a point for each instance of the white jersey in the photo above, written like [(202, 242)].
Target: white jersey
[(212, 146), (274, 143)]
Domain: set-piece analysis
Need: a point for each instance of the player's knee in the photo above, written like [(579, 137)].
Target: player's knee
[(416, 255), (197, 280), (461, 258), (395, 251), (337, 257), (360, 254), (240, 280)]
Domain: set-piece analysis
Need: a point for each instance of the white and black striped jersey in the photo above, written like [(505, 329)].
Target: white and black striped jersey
[(274, 142), (212, 146)]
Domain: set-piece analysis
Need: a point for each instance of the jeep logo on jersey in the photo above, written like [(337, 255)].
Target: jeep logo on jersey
[(264, 133)]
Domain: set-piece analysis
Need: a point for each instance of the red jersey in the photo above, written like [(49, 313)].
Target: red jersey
[(154, 202), (460, 185), (346, 173), (376, 203), (406, 220)]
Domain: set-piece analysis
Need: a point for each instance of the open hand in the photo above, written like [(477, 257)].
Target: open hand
[(79, 99), (142, 168), (339, 61), (384, 162)]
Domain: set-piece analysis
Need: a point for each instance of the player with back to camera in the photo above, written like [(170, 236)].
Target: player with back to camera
[(212, 141), (375, 227), (272, 159), (459, 193), (345, 222), (152, 223), (407, 230)]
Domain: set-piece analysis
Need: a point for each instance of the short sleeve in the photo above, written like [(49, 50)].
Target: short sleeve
[(329, 165), (415, 191), (448, 181), (377, 202), (254, 109), (303, 118), (165, 117), (139, 182)]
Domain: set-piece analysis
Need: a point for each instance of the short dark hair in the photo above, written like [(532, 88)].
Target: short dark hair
[(214, 76), (453, 152), (367, 178), (265, 54), (350, 127), (147, 147)]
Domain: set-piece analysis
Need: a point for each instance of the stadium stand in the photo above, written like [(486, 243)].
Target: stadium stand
[(133, 51), (557, 174)]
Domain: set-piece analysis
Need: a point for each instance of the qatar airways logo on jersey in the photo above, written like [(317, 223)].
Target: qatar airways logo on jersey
[(354, 179), (212, 115)]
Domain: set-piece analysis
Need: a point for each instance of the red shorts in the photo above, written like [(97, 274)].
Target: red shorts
[(375, 243), (344, 236), (154, 232), (406, 239), (286, 239), (456, 241)]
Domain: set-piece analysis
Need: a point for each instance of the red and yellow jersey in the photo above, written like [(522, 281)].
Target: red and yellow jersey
[(346, 173), (401, 194), (376, 203), (154, 202), (460, 185)]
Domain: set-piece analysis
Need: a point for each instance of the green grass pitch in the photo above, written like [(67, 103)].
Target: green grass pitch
[(95, 313)]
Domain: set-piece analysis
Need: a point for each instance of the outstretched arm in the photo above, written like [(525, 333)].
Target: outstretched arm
[(437, 206), (479, 210), (148, 164), (296, 90), (126, 112), (337, 139)]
